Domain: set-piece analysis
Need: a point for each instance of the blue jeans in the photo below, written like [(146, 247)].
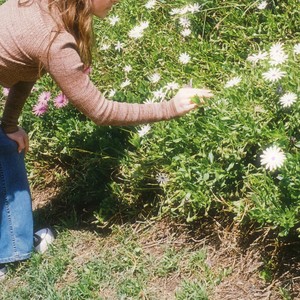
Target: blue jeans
[(16, 222)]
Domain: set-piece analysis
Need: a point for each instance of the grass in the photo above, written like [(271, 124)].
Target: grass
[(150, 259), (126, 264)]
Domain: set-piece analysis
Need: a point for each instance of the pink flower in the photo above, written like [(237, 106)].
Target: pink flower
[(44, 96), (5, 91), (42, 105), (60, 101), (40, 108)]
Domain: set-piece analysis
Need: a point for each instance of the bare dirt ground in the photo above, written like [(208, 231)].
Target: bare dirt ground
[(250, 254)]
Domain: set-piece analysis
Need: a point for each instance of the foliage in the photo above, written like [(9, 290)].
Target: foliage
[(210, 160)]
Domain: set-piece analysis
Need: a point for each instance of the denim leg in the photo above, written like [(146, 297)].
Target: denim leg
[(16, 224)]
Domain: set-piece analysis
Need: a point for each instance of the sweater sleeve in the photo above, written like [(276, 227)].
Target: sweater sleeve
[(65, 66), (16, 98)]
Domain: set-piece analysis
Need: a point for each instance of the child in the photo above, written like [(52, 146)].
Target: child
[(54, 36)]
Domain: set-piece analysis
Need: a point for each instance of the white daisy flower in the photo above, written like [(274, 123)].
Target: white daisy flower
[(194, 8), (276, 48), (111, 93), (150, 4), (262, 55), (184, 58), (172, 86), (144, 130), (125, 83), (184, 10), (127, 69), (154, 78), (262, 5), (186, 32), (233, 82), (104, 47), (138, 31), (162, 178), (149, 101), (175, 11), (191, 8), (113, 20), (159, 95), (297, 49), (278, 58), (273, 74), (144, 24), (288, 99), (277, 54), (119, 46), (272, 158), (184, 22), (254, 58)]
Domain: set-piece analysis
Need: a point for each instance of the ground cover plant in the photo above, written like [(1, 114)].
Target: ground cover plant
[(238, 153)]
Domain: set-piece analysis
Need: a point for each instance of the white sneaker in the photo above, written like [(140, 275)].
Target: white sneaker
[(42, 239), (3, 272)]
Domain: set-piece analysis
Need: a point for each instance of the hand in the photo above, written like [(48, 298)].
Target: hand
[(183, 99), (21, 138)]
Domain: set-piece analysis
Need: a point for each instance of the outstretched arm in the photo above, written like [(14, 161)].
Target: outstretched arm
[(66, 68)]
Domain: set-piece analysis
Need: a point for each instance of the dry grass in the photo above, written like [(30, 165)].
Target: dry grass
[(242, 256)]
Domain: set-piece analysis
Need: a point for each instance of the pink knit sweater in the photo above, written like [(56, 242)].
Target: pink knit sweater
[(25, 33)]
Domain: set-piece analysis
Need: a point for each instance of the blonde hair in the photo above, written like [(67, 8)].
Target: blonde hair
[(77, 19)]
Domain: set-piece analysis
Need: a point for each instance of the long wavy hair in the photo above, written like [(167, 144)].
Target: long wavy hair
[(77, 18)]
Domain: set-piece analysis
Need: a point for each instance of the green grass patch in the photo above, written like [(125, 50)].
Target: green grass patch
[(128, 263)]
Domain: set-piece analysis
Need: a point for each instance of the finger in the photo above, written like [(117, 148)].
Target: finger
[(201, 93), (191, 106), (206, 94), (21, 145)]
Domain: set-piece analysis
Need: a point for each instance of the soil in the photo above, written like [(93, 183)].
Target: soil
[(262, 267)]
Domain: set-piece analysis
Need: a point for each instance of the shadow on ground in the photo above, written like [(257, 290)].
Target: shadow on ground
[(261, 266)]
